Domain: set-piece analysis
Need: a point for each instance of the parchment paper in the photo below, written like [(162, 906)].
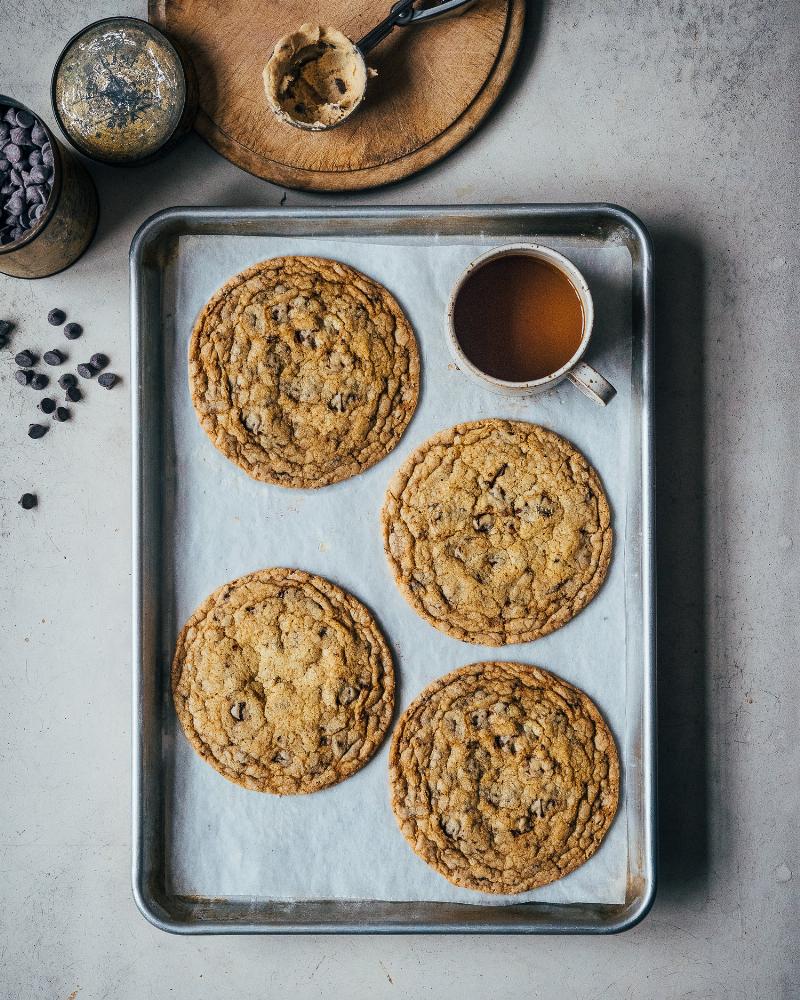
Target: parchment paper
[(343, 843)]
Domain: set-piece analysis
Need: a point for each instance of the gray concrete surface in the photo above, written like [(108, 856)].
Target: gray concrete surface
[(687, 113)]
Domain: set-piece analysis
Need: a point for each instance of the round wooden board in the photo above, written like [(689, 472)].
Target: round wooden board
[(435, 84)]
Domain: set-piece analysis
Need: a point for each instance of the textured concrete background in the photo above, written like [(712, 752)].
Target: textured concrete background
[(687, 113)]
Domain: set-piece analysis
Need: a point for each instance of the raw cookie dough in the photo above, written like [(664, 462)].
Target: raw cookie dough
[(303, 371), (497, 531), (283, 682), (503, 777), (315, 77)]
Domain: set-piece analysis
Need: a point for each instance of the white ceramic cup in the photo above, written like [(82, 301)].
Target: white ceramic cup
[(583, 376)]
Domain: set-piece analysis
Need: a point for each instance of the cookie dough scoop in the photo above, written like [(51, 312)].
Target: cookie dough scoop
[(317, 77)]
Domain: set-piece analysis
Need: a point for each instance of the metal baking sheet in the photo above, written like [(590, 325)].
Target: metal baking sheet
[(178, 259)]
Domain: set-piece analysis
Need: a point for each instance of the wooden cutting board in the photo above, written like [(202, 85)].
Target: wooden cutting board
[(435, 84)]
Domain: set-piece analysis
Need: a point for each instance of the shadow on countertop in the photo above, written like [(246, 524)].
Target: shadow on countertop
[(681, 470)]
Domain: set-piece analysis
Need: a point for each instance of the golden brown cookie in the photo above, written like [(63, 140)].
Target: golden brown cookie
[(503, 777), (283, 682), (303, 371), (497, 531)]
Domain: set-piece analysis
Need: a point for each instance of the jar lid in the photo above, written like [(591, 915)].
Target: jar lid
[(119, 90)]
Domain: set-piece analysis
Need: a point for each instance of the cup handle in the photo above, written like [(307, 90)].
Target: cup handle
[(591, 383)]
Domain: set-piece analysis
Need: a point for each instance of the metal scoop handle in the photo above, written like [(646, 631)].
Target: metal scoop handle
[(403, 13)]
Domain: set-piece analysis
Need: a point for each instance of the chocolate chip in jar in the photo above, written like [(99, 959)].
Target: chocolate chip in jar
[(32, 162), (25, 181), (24, 118), (12, 152), (20, 136)]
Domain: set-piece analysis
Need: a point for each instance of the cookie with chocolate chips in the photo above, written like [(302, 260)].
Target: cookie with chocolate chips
[(497, 531), (303, 371), (503, 777), (283, 682)]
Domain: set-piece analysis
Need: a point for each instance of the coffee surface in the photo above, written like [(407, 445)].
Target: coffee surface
[(518, 318)]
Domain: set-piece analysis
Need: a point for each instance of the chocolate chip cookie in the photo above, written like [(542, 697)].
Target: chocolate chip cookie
[(497, 531), (283, 682), (503, 777), (303, 371)]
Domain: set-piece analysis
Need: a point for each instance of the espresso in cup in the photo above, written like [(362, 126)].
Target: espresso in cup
[(518, 318), (519, 321)]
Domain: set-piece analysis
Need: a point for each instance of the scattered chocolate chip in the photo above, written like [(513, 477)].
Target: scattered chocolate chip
[(6, 326), (26, 359), (108, 380), (98, 361), (28, 501), (62, 414), (67, 380), (56, 317), (47, 405), (54, 357), (37, 430), (23, 376), (72, 331), (87, 371), (73, 394), (39, 381)]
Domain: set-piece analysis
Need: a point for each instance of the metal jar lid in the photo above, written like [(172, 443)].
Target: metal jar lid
[(122, 92)]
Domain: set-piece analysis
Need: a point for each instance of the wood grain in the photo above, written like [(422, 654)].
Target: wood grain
[(435, 84)]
